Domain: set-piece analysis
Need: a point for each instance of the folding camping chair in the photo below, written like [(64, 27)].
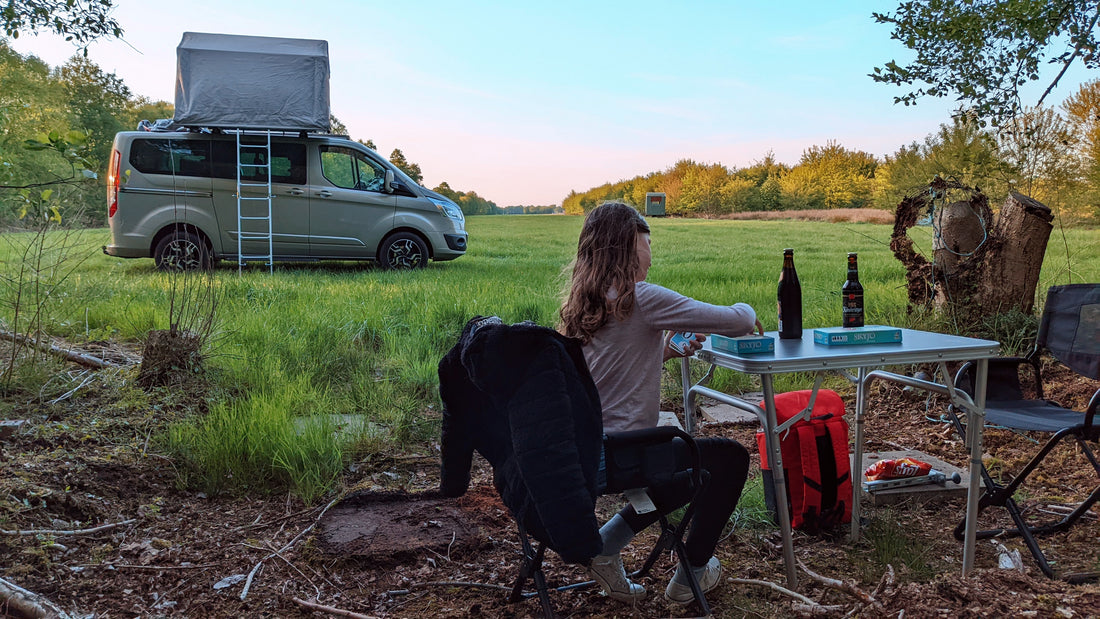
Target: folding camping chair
[(1070, 332), (521, 396)]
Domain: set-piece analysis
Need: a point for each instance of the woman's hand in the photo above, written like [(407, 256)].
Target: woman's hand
[(690, 348)]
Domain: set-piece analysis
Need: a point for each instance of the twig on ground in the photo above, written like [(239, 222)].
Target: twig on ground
[(330, 610), (289, 545), (774, 587), (16, 599), (842, 586), (887, 580), (68, 355), (69, 393), (92, 531), (126, 566), (815, 610)]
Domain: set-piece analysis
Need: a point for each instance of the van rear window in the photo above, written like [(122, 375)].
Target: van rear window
[(178, 157), (194, 158)]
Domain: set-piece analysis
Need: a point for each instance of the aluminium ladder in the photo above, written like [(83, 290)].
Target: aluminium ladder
[(254, 211)]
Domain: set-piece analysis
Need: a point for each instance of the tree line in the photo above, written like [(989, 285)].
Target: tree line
[(1052, 155)]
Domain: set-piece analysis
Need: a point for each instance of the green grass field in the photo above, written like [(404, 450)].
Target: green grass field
[(318, 341)]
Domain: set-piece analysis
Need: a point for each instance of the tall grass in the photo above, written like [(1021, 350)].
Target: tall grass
[(338, 339)]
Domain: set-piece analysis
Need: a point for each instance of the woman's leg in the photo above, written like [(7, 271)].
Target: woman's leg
[(728, 464)]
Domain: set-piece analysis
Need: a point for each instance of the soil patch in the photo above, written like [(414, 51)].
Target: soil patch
[(390, 527), (88, 461)]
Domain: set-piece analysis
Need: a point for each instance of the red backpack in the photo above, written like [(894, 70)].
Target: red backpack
[(816, 461)]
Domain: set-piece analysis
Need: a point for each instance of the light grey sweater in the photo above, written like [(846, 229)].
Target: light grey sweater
[(625, 356)]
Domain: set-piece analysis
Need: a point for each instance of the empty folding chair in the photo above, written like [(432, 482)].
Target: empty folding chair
[(1070, 332)]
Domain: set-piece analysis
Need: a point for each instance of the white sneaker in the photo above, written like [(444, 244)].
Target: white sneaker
[(608, 571), (709, 576)]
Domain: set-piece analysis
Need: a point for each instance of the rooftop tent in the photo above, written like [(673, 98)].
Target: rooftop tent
[(248, 82)]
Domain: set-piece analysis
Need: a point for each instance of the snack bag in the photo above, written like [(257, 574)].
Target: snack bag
[(893, 469)]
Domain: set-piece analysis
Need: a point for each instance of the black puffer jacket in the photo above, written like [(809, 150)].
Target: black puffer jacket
[(521, 395)]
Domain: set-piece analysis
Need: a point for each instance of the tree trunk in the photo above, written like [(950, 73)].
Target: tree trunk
[(980, 267), (1024, 227)]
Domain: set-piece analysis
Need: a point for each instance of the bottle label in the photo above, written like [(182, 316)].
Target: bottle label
[(853, 310)]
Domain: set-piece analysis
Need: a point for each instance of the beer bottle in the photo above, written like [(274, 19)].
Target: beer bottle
[(852, 295), (790, 299)]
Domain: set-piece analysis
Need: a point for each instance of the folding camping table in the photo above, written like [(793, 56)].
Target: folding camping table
[(806, 356)]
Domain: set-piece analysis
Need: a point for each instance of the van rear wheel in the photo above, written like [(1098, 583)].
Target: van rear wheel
[(182, 251), (403, 250)]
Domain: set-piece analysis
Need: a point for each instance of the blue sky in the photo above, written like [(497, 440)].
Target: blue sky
[(523, 102)]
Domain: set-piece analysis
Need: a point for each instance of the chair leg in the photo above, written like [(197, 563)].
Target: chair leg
[(531, 567), (998, 495), (673, 538)]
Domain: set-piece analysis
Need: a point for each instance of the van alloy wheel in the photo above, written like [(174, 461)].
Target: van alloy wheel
[(403, 250), (182, 251)]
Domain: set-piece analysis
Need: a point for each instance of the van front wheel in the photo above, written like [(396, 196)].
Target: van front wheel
[(182, 251), (403, 250)]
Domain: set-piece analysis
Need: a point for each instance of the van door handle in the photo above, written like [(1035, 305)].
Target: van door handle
[(295, 191), (325, 193)]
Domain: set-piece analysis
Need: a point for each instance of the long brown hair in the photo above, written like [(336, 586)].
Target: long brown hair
[(607, 260)]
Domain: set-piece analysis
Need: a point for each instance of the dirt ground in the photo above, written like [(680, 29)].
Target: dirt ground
[(391, 547)]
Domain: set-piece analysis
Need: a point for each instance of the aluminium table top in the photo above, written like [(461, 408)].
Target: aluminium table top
[(805, 355)]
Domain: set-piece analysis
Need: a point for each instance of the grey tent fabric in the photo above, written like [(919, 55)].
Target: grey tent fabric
[(249, 82)]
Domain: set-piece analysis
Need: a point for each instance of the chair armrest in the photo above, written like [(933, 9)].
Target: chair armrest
[(650, 446)]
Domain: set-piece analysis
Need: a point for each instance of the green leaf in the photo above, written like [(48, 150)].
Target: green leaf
[(46, 194)]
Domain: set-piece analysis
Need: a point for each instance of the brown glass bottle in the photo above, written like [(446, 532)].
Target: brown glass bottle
[(852, 295), (790, 299)]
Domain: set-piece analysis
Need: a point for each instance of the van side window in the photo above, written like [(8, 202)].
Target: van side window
[(179, 157), (351, 169), (288, 162)]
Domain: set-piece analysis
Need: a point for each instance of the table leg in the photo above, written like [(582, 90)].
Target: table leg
[(857, 457), (689, 401), (775, 459), (975, 423)]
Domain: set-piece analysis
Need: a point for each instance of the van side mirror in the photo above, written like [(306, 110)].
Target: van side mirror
[(389, 181)]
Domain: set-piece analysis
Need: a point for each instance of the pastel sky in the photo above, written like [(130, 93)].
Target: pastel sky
[(523, 101)]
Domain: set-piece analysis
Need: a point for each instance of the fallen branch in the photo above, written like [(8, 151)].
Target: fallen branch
[(127, 566), (68, 355), (92, 531), (18, 602), (804, 606), (842, 586), (887, 580), (330, 610), (290, 544), (816, 610)]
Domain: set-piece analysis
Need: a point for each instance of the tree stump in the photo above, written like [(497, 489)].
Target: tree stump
[(980, 267)]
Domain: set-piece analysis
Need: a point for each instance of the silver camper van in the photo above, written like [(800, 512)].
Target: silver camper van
[(173, 196), (248, 170)]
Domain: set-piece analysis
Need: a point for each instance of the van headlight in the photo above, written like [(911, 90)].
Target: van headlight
[(448, 208)]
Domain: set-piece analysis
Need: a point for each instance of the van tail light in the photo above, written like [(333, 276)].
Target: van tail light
[(112, 183)]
